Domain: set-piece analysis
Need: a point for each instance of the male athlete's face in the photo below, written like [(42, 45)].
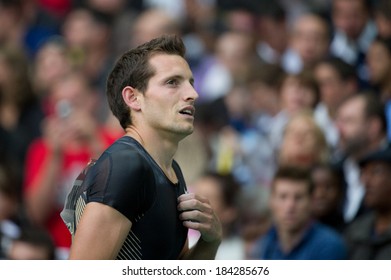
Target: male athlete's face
[(168, 102)]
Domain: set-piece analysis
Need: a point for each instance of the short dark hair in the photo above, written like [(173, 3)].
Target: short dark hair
[(296, 174), (306, 78), (386, 42), (38, 237), (229, 186), (133, 69), (374, 108), (344, 70), (383, 7), (269, 74)]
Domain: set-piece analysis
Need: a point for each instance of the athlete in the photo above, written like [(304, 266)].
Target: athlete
[(132, 202)]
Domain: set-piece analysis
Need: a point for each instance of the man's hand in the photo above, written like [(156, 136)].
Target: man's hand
[(197, 214)]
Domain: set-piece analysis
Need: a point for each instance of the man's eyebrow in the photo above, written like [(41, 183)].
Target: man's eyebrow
[(180, 77)]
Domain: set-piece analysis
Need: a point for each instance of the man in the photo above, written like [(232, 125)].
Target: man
[(294, 235), (382, 17), (223, 190), (369, 237), (354, 31), (136, 202), (309, 42), (337, 80), (379, 69), (272, 45), (362, 128)]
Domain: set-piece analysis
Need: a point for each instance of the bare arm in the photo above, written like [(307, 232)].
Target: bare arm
[(100, 233), (198, 215)]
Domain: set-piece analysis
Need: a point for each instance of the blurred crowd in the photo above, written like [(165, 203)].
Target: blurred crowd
[(292, 130)]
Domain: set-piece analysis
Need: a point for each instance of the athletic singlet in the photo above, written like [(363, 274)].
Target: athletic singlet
[(126, 178)]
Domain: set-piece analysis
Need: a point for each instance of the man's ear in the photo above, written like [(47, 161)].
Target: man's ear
[(131, 96)]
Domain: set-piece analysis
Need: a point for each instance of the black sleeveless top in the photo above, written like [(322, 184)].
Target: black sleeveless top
[(126, 178)]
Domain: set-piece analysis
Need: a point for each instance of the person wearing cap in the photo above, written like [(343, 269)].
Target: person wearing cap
[(369, 237)]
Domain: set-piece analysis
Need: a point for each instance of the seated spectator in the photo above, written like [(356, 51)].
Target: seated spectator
[(354, 30), (229, 64), (51, 62), (294, 235), (361, 126), (272, 45), (223, 191), (264, 87), (303, 142), (337, 80), (382, 17), (379, 69), (369, 237), (298, 92), (328, 195), (254, 217), (20, 110), (72, 136), (309, 42)]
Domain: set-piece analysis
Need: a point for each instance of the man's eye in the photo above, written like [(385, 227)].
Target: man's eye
[(172, 82)]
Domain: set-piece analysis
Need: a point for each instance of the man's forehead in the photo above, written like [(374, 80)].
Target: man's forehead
[(169, 64)]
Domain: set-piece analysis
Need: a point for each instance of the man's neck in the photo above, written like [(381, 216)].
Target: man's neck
[(289, 239), (161, 149)]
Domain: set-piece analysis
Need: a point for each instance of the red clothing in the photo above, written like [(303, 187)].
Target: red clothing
[(73, 163), (58, 8)]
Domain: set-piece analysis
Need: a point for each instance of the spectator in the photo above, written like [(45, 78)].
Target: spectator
[(254, 217), (150, 24), (238, 147), (382, 17), (223, 192), (71, 137), (264, 85), (309, 42), (241, 17), (24, 25), (303, 142), (362, 128), (328, 195), (354, 30), (230, 64), (294, 235), (379, 68), (337, 80), (88, 35), (298, 92), (273, 34), (20, 109), (51, 63), (369, 237)]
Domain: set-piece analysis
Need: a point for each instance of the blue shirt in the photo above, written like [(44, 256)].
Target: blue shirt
[(319, 242)]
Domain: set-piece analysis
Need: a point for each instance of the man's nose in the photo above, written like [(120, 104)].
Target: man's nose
[(191, 93)]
